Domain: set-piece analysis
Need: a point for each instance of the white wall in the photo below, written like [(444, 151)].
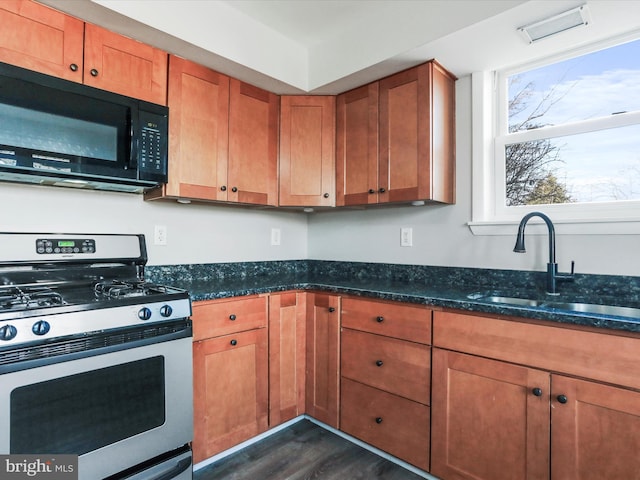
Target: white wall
[(441, 237), (195, 233)]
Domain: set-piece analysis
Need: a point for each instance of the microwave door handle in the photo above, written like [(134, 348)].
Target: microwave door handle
[(133, 148)]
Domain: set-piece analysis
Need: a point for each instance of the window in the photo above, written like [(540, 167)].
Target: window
[(566, 139)]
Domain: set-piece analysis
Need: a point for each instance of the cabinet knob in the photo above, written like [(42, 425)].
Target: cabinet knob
[(73, 67), (232, 317), (233, 342), (371, 191), (562, 398), (380, 319), (379, 363), (93, 72), (378, 420), (537, 392), (234, 189), (381, 190), (326, 195), (223, 188), (331, 309)]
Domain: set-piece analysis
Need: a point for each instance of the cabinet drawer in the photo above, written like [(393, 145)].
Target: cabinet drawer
[(215, 318), (389, 319), (391, 423), (396, 366)]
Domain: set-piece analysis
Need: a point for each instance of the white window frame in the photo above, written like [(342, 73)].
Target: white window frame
[(490, 215)]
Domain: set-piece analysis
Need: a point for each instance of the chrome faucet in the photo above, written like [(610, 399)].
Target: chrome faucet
[(552, 267)]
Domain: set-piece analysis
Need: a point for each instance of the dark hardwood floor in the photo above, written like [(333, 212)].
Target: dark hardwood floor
[(304, 451)]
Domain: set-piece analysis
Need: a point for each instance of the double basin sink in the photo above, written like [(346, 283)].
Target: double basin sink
[(558, 304)]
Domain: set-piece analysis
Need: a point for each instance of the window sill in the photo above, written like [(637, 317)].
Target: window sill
[(562, 227)]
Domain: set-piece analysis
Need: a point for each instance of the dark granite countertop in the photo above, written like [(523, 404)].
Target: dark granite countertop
[(445, 287)]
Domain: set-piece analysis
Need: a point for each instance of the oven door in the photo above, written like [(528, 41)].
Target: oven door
[(115, 410)]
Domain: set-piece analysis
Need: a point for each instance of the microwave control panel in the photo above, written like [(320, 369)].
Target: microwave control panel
[(152, 157)]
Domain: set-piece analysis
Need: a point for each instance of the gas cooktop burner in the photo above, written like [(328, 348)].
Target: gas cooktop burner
[(123, 289), (24, 298)]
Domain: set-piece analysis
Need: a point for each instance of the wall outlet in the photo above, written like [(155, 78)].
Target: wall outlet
[(160, 235), (406, 237), (275, 236)]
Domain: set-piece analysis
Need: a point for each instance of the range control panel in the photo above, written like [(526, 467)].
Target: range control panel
[(65, 245)]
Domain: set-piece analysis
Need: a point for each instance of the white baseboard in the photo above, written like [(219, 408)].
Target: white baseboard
[(282, 426)]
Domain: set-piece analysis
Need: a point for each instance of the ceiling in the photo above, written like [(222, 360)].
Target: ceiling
[(330, 46)]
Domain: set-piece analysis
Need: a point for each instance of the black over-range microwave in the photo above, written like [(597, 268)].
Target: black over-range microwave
[(57, 132)]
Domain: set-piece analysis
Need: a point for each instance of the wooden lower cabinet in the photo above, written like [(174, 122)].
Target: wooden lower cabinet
[(495, 419), (323, 358), (385, 365), (230, 377), (287, 344)]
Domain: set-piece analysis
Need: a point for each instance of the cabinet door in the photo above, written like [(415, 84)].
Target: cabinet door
[(307, 151), (42, 39), (253, 145), (357, 146), (323, 357), (287, 343), (417, 157), (487, 423), (198, 131), (230, 391), (122, 65), (595, 434), (405, 135)]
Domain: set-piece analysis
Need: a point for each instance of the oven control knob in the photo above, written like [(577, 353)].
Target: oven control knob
[(41, 327), (8, 332), (144, 313), (166, 310)]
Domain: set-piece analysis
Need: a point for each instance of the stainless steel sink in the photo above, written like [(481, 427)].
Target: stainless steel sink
[(612, 310), (523, 302)]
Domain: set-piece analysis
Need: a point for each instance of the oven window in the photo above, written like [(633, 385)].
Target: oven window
[(86, 411)]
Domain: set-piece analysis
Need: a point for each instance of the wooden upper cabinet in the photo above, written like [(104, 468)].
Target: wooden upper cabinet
[(253, 145), (123, 65), (307, 151), (198, 132), (42, 39), (357, 146), (414, 138)]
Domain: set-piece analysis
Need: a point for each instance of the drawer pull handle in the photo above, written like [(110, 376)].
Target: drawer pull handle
[(380, 319), (378, 420), (379, 363), (562, 399), (537, 392), (234, 342), (331, 309), (232, 317)]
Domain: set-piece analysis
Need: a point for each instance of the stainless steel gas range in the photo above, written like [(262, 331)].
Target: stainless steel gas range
[(94, 360)]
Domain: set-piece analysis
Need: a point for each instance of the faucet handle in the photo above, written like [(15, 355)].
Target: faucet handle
[(573, 266)]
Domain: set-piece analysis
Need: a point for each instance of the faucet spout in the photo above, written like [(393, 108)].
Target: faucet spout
[(552, 267)]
